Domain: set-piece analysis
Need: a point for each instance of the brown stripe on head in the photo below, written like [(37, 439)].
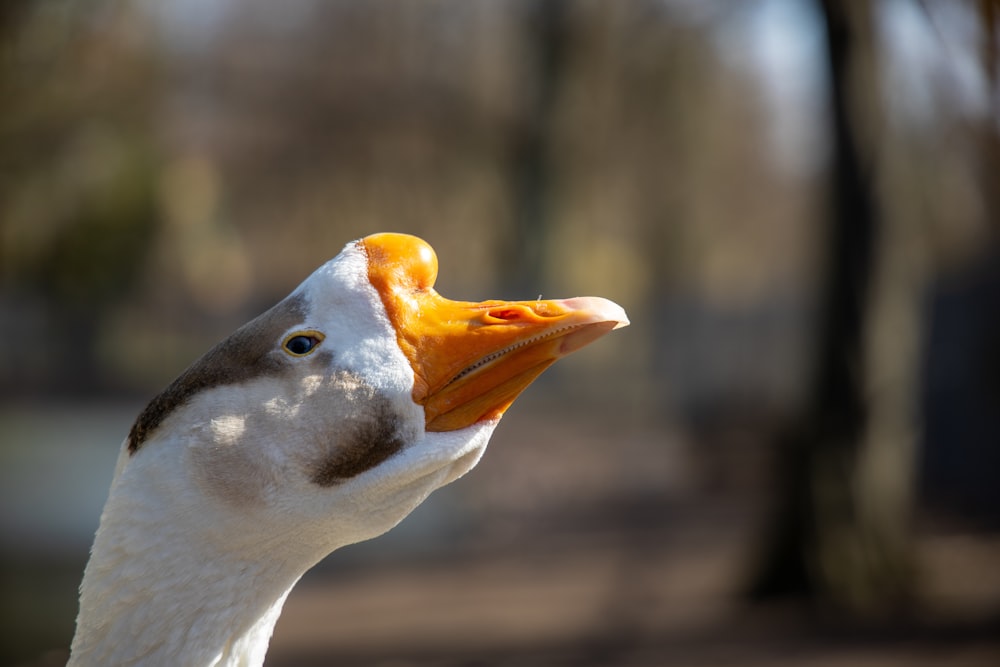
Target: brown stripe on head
[(250, 352), (366, 440)]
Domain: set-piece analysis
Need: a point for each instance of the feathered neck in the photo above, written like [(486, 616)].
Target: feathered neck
[(162, 587), (177, 577)]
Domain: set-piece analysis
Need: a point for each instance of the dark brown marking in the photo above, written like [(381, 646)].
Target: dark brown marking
[(366, 443), (250, 352)]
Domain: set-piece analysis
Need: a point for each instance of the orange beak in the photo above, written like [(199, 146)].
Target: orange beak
[(471, 360)]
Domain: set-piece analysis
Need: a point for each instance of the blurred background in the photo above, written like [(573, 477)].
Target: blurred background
[(792, 456)]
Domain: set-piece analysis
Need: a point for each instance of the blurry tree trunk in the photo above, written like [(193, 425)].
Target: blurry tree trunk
[(840, 534), (532, 180)]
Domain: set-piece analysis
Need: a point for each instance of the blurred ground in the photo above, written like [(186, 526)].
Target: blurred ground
[(594, 599), (616, 571)]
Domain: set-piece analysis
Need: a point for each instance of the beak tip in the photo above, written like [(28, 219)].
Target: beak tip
[(601, 309)]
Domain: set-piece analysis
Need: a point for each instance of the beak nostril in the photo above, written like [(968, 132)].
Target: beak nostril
[(524, 312), (507, 314)]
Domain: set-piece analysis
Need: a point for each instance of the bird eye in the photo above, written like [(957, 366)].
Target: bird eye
[(302, 343)]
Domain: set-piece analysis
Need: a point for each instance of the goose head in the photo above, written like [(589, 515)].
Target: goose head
[(320, 423)]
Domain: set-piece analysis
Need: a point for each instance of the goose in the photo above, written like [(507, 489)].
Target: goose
[(321, 423)]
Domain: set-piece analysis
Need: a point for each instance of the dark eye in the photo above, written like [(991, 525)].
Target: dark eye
[(301, 344)]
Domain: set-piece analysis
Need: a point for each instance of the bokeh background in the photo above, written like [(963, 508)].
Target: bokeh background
[(792, 456)]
